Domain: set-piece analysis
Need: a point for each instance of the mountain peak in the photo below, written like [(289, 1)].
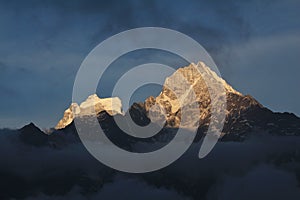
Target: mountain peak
[(32, 135), (195, 71), (243, 112), (92, 105), (30, 127), (185, 81)]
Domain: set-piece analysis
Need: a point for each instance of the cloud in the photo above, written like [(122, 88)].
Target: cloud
[(136, 189), (233, 169), (263, 182), (123, 188)]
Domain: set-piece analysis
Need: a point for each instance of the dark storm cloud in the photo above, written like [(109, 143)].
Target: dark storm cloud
[(126, 189), (71, 167), (262, 167), (273, 184)]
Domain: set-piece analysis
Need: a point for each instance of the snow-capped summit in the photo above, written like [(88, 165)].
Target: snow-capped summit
[(190, 85), (92, 105)]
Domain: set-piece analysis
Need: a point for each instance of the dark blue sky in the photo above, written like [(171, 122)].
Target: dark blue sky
[(255, 44)]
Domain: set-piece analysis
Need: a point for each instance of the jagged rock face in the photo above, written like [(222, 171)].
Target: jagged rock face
[(189, 80), (186, 87), (243, 113), (68, 116), (92, 105)]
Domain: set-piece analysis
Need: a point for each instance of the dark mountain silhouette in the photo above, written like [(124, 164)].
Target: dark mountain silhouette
[(32, 135)]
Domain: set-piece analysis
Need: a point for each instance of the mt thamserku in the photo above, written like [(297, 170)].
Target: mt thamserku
[(166, 99), (243, 112)]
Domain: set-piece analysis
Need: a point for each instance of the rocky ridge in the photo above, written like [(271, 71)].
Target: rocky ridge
[(186, 87)]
